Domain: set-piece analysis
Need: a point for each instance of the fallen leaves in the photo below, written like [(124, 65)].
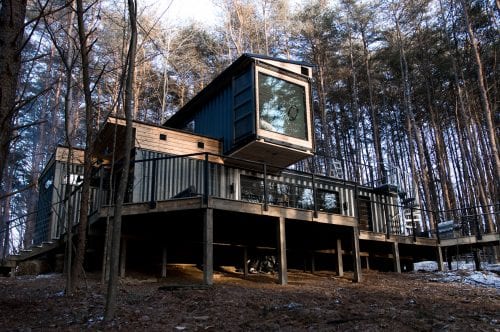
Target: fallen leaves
[(318, 302)]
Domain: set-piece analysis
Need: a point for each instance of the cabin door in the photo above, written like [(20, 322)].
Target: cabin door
[(365, 213)]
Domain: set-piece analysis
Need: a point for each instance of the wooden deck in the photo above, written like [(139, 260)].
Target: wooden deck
[(259, 209), (244, 226), (492, 238)]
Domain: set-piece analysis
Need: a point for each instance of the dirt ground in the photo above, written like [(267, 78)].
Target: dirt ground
[(319, 302)]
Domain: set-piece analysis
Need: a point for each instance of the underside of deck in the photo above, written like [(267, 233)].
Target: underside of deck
[(174, 231), (212, 232)]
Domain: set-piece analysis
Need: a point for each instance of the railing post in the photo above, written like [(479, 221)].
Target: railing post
[(266, 198), (101, 185), (479, 236), (152, 202), (315, 200), (438, 236), (388, 224), (5, 250), (205, 180), (414, 231)]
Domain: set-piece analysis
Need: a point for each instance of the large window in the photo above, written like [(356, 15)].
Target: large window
[(282, 106)]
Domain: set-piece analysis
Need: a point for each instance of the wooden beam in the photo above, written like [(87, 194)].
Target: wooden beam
[(356, 256), (123, 257), (440, 261), (313, 263), (281, 245), (208, 246), (245, 262), (164, 262), (340, 263), (395, 257), (496, 254)]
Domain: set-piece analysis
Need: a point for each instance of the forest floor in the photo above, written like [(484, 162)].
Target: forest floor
[(383, 301)]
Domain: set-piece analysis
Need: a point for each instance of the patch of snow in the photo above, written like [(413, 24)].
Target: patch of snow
[(463, 272), (493, 267), (47, 276), (425, 266), (293, 305)]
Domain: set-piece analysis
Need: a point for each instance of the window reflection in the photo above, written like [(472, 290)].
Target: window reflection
[(328, 201), (282, 106), (289, 195)]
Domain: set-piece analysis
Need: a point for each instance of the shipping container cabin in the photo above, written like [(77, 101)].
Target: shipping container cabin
[(259, 107), (257, 112), (58, 195)]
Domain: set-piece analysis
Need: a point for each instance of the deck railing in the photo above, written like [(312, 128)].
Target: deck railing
[(157, 177)]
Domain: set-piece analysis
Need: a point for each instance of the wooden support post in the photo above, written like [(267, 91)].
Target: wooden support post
[(164, 263), (208, 246), (367, 262), (440, 261), (340, 262), (395, 257), (245, 262), (206, 181), (13, 271), (266, 196), (313, 263), (356, 256), (152, 201), (123, 257), (281, 244), (449, 259), (495, 255), (477, 259)]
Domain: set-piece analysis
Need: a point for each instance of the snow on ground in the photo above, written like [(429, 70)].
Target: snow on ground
[(463, 272)]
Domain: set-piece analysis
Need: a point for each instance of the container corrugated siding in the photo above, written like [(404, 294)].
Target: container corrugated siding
[(216, 119), (244, 106), (59, 217), (230, 110), (176, 174), (44, 206)]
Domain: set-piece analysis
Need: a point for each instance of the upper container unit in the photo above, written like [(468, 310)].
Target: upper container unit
[(259, 107)]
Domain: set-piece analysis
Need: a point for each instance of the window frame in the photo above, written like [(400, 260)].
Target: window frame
[(275, 136)]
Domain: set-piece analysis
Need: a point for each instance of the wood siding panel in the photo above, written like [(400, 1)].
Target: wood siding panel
[(62, 155), (147, 137)]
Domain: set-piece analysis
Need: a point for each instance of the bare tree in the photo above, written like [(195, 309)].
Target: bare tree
[(12, 15), (127, 146), (89, 132), (483, 92)]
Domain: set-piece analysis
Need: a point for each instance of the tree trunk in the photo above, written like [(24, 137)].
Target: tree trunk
[(68, 105), (483, 92), (89, 135), (412, 127), (12, 14), (5, 219), (379, 167), (127, 146)]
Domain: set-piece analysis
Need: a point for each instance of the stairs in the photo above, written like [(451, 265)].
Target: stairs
[(26, 254)]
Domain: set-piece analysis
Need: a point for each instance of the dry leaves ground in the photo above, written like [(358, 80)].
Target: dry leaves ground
[(319, 302)]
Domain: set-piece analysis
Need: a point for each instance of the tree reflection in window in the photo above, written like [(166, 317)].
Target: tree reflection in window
[(328, 201), (289, 195), (282, 106)]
